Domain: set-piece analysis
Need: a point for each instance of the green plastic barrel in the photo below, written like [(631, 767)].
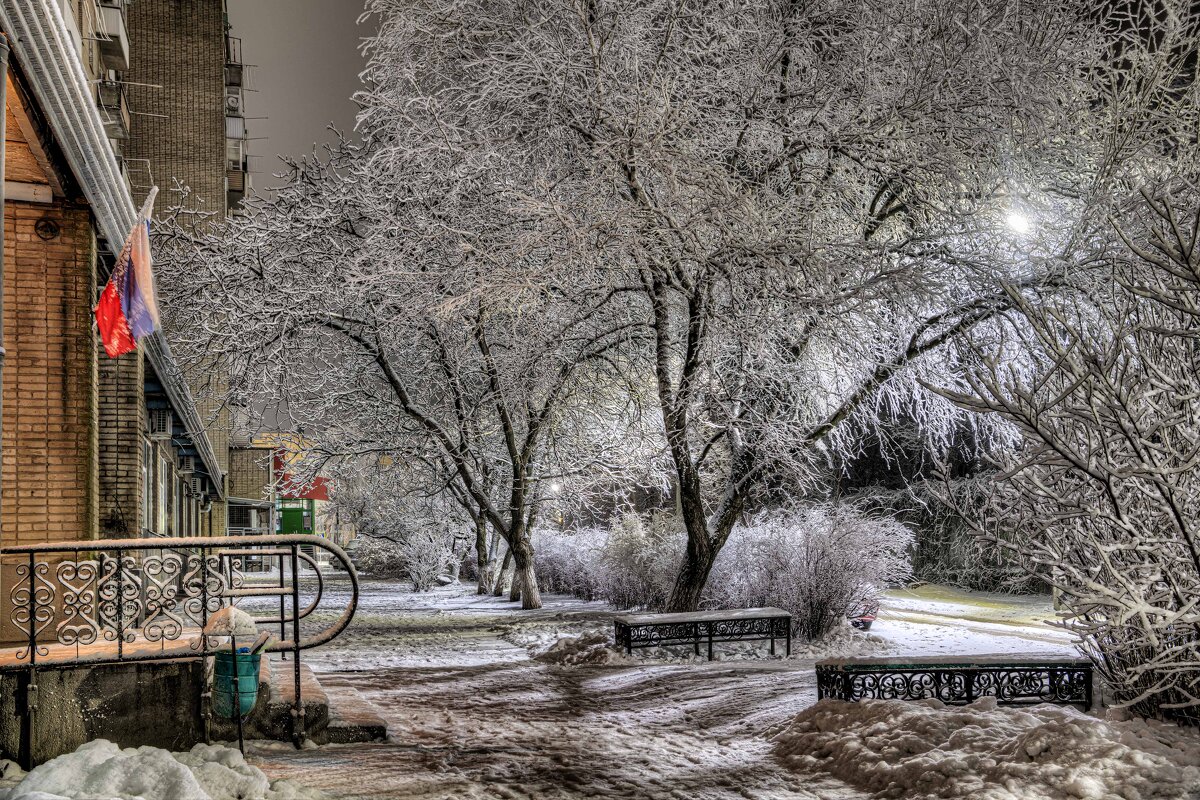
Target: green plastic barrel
[(247, 674)]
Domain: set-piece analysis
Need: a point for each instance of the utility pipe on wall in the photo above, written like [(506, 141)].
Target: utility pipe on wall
[(3, 155)]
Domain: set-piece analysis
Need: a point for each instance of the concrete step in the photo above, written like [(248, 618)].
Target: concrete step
[(333, 714), (275, 720), (352, 718), (271, 717)]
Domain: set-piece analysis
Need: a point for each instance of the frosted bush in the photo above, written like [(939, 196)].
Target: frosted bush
[(631, 565), (426, 555), (380, 558), (819, 564), (569, 563), (640, 561)]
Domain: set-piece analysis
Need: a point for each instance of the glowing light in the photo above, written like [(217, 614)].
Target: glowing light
[(1019, 223), (556, 488)]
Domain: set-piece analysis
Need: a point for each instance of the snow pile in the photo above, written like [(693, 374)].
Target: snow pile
[(103, 771), (841, 642), (983, 752), (231, 620), (589, 648)]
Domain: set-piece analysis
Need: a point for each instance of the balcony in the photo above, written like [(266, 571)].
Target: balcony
[(233, 50), (113, 37), (114, 109), (237, 186)]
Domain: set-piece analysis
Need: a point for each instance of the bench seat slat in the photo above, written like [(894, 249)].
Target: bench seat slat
[(701, 616)]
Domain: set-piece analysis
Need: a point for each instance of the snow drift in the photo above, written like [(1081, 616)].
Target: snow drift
[(101, 770), (983, 752)]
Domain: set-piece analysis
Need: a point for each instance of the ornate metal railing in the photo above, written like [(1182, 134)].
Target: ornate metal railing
[(1014, 681), (695, 628), (148, 600)]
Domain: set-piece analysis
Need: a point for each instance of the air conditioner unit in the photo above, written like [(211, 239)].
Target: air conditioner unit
[(196, 485), (187, 464), (233, 103), (159, 422)]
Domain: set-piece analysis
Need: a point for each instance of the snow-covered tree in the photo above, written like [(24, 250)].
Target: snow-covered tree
[(404, 310), (735, 230), (799, 202), (1103, 496)]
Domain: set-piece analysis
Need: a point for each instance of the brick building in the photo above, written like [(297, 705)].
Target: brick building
[(91, 447)]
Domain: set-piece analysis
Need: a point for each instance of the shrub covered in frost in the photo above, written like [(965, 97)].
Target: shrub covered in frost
[(631, 565), (380, 558), (420, 558), (426, 554), (819, 563)]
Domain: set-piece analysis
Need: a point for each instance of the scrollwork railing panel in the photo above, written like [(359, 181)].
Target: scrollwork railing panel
[(1065, 683), (72, 602)]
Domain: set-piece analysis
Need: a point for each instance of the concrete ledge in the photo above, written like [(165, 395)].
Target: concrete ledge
[(130, 704)]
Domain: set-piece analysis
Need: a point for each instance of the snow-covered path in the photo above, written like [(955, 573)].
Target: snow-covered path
[(472, 714)]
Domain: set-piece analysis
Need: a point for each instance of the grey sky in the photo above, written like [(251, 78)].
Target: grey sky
[(307, 62)]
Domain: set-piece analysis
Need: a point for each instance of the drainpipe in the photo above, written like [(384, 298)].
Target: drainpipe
[(3, 136)]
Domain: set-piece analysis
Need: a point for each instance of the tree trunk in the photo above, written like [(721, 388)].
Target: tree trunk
[(531, 596), (498, 591), (514, 589), (692, 578), (481, 556), (524, 576)]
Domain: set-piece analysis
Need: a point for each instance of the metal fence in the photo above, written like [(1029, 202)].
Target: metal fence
[(70, 604)]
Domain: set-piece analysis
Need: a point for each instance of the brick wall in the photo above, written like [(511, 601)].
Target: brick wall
[(50, 378), (121, 424), (250, 472), (179, 45)]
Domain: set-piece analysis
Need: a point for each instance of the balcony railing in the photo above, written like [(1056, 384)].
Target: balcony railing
[(72, 604), (114, 109)]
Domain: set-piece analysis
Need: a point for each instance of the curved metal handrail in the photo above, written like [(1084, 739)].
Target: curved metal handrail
[(100, 604), (108, 601), (312, 562)]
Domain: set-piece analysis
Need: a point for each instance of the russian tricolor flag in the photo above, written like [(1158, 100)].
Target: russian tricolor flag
[(128, 310)]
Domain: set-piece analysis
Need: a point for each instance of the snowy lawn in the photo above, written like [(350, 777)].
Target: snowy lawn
[(485, 700)]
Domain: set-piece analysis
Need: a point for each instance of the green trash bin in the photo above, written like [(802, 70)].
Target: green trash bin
[(247, 675)]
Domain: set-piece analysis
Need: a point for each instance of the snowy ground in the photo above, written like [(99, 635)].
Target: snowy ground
[(478, 708)]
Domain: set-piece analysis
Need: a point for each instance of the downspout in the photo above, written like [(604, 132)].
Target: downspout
[(3, 155)]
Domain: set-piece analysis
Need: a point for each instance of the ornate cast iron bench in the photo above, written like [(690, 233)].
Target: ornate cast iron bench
[(740, 624), (1012, 681)]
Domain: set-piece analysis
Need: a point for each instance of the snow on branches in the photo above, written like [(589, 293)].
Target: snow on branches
[(1105, 491), (693, 244)]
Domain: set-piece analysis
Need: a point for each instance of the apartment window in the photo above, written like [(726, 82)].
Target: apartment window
[(162, 494), (147, 489), (177, 528)]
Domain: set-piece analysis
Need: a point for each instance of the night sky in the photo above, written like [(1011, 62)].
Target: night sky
[(306, 63)]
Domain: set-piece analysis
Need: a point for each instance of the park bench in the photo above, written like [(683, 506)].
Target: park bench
[(958, 681), (740, 624)]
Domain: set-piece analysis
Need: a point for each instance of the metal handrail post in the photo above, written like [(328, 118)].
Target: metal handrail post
[(298, 732)]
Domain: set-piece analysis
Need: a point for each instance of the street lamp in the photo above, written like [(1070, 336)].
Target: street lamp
[(1018, 223)]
